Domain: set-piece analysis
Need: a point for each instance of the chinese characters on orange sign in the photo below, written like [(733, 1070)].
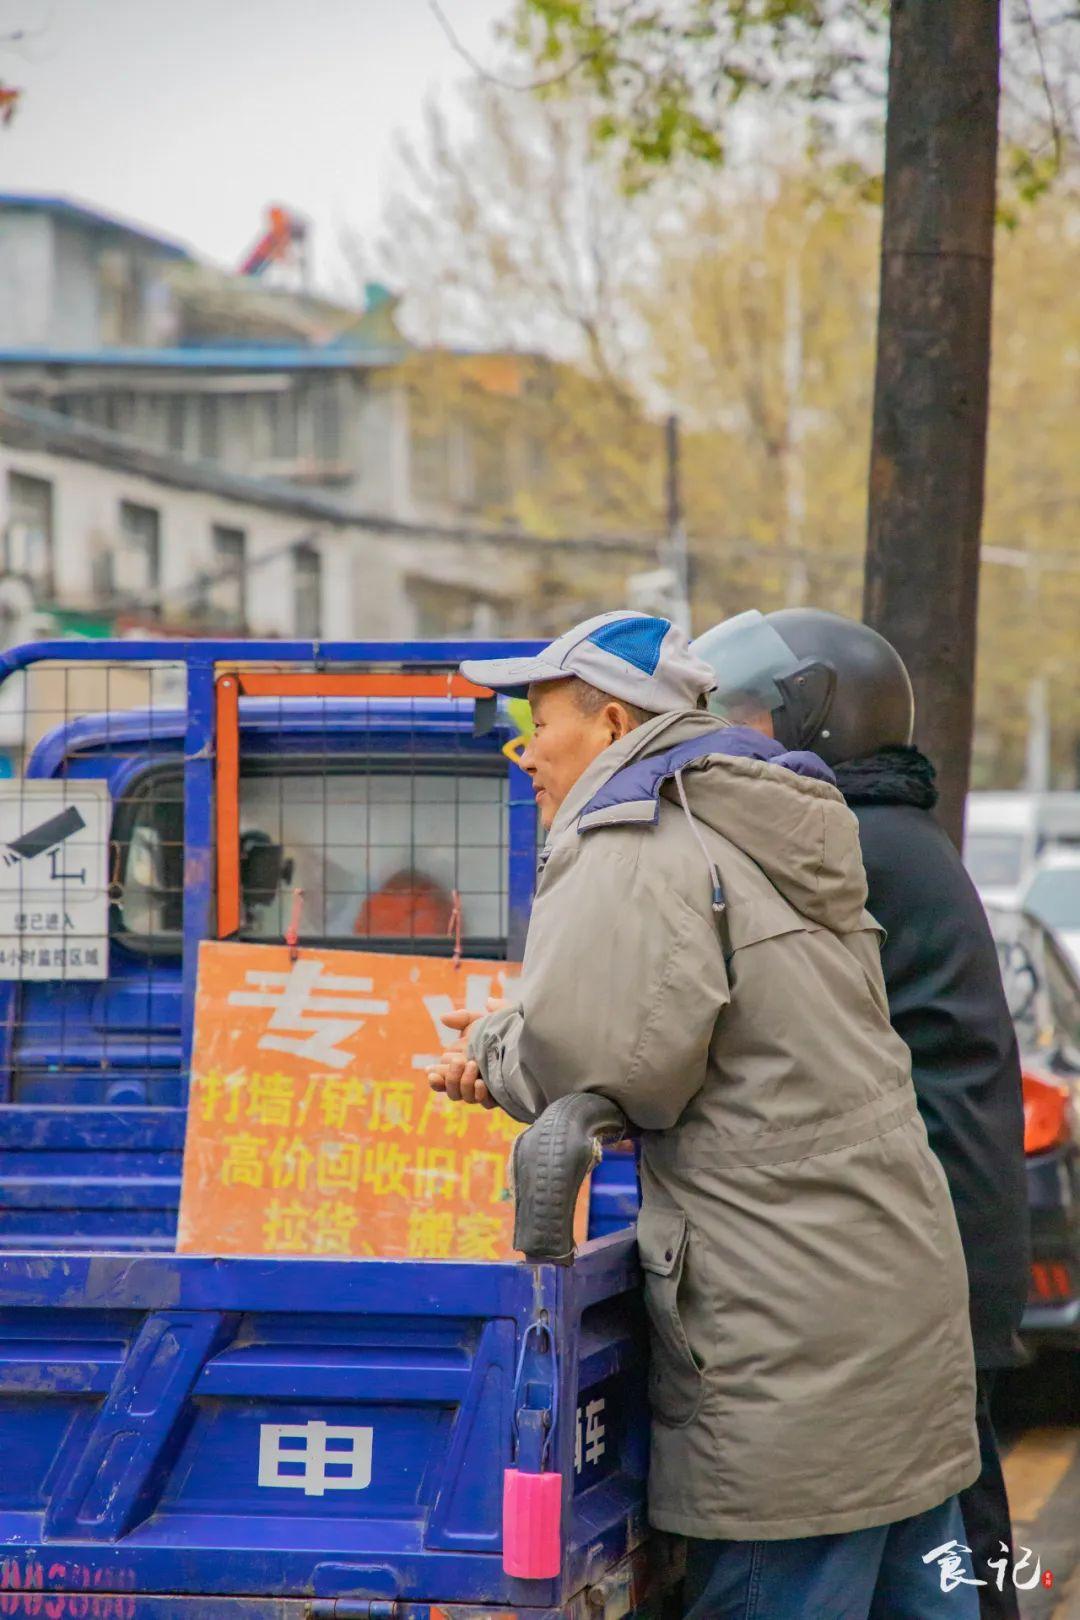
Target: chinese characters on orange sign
[(311, 1128)]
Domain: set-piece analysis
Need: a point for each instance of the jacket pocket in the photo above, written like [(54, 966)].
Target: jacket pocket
[(676, 1384)]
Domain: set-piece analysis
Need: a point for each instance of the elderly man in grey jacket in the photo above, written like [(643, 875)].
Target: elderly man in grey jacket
[(700, 953)]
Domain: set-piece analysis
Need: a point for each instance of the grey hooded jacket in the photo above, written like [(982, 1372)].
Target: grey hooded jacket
[(811, 1358)]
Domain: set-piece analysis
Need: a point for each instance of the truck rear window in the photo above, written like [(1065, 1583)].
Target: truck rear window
[(379, 855)]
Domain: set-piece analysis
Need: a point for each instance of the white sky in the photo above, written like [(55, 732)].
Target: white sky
[(189, 116)]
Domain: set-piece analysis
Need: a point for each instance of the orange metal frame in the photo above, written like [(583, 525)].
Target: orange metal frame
[(314, 685), (235, 683), (227, 805)]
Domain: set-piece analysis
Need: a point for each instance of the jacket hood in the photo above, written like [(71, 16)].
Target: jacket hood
[(891, 776), (782, 810)]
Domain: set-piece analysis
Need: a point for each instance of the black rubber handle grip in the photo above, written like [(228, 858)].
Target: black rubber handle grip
[(551, 1160)]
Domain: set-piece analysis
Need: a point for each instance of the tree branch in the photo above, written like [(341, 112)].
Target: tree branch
[(484, 73)]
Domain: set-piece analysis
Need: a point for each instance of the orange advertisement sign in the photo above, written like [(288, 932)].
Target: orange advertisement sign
[(311, 1127)]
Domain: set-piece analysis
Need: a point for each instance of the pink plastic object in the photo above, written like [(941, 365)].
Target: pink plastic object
[(532, 1511)]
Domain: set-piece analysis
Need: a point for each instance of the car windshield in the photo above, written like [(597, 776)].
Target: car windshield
[(994, 859), (1054, 897)]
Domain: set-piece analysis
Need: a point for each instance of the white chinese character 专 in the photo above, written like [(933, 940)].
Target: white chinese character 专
[(308, 1005), (316, 1449), (950, 1563)]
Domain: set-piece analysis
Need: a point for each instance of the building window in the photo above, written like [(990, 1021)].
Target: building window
[(120, 296), (490, 473), (283, 441), (119, 411), (326, 421), (28, 534), (134, 566), (228, 584), (175, 422), (440, 611), (307, 592), (209, 427), (430, 452)]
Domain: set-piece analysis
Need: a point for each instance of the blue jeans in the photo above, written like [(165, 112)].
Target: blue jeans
[(874, 1574)]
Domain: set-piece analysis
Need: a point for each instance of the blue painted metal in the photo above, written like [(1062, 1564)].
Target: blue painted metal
[(136, 1387), (522, 856), (144, 1466), (614, 1193), (199, 901), (380, 654)]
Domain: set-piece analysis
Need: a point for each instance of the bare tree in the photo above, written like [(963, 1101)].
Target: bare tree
[(506, 234)]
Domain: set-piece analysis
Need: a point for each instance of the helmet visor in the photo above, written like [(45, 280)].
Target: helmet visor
[(749, 659)]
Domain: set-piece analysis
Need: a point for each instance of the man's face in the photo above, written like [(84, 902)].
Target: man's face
[(565, 742), (758, 719)]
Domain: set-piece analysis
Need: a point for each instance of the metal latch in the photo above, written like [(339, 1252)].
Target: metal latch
[(351, 1609)]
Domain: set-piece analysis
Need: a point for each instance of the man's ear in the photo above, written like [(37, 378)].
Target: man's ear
[(617, 720)]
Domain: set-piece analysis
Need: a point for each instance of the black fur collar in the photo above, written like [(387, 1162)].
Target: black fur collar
[(891, 776)]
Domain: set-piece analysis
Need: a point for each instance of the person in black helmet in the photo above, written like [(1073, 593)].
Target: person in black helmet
[(816, 680)]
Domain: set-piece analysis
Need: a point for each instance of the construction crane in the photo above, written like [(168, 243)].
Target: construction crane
[(9, 100), (283, 240)]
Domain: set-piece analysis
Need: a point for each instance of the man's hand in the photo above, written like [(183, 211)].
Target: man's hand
[(457, 1074)]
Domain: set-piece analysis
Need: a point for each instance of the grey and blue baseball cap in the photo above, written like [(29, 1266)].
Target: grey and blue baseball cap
[(643, 660)]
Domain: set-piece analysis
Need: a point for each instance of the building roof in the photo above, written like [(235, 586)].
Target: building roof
[(91, 219), (234, 357)]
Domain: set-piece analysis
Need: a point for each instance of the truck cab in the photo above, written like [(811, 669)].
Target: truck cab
[(379, 811)]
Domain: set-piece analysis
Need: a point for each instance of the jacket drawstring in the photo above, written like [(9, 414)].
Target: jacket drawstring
[(719, 904)]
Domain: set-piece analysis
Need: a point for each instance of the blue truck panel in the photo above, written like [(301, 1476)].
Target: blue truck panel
[(295, 1427)]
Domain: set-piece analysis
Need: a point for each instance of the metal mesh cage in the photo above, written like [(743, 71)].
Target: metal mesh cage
[(387, 822)]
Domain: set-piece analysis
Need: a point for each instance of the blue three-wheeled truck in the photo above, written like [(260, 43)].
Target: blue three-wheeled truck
[(190, 1435)]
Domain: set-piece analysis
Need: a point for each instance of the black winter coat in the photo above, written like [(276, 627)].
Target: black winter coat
[(947, 1002)]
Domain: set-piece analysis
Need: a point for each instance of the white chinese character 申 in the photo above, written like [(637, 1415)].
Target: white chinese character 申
[(315, 1457), (313, 1011)]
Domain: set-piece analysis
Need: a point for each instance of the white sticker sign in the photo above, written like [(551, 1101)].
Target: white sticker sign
[(54, 880), (315, 1457)]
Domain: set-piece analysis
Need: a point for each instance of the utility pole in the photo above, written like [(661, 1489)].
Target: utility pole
[(678, 549), (933, 359), (665, 589), (798, 581)]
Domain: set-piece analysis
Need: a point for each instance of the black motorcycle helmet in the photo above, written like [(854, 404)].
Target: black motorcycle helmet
[(826, 682)]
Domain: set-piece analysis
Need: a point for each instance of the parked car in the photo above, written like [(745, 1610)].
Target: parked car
[(1006, 833), (1053, 897), (1043, 988)]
